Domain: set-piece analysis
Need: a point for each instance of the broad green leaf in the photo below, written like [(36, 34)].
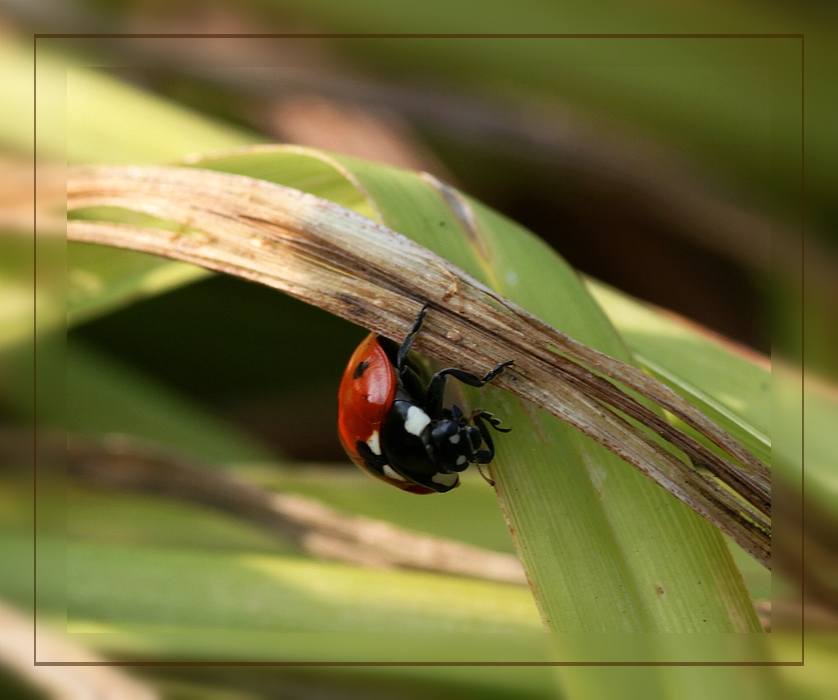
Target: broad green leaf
[(131, 519), (672, 679), (471, 515), (126, 639), (177, 588), (98, 129)]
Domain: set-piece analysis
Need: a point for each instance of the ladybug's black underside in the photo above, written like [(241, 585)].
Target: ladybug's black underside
[(410, 453)]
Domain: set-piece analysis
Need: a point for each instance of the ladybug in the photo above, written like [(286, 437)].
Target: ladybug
[(395, 427)]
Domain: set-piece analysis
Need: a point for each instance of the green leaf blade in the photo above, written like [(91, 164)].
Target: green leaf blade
[(131, 585)]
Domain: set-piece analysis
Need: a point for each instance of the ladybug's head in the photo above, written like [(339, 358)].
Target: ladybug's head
[(452, 442)]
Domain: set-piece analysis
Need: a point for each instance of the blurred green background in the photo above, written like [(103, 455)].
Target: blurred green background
[(669, 169)]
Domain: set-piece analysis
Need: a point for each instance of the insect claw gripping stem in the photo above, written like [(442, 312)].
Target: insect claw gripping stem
[(480, 417), (408, 342), (489, 418), (495, 371)]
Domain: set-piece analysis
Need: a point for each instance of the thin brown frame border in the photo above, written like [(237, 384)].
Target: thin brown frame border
[(37, 36)]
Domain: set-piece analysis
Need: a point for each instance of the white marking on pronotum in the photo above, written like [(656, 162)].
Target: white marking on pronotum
[(417, 420), (445, 479), (388, 470), (454, 439), (461, 460), (374, 443)]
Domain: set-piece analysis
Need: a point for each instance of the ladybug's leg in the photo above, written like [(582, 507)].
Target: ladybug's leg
[(414, 384), (480, 419), (487, 455), (408, 342), (489, 418), (436, 387)]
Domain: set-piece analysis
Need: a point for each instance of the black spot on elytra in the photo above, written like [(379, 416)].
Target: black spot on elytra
[(360, 369)]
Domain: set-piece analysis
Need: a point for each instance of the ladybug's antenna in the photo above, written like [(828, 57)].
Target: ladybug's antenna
[(487, 479)]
